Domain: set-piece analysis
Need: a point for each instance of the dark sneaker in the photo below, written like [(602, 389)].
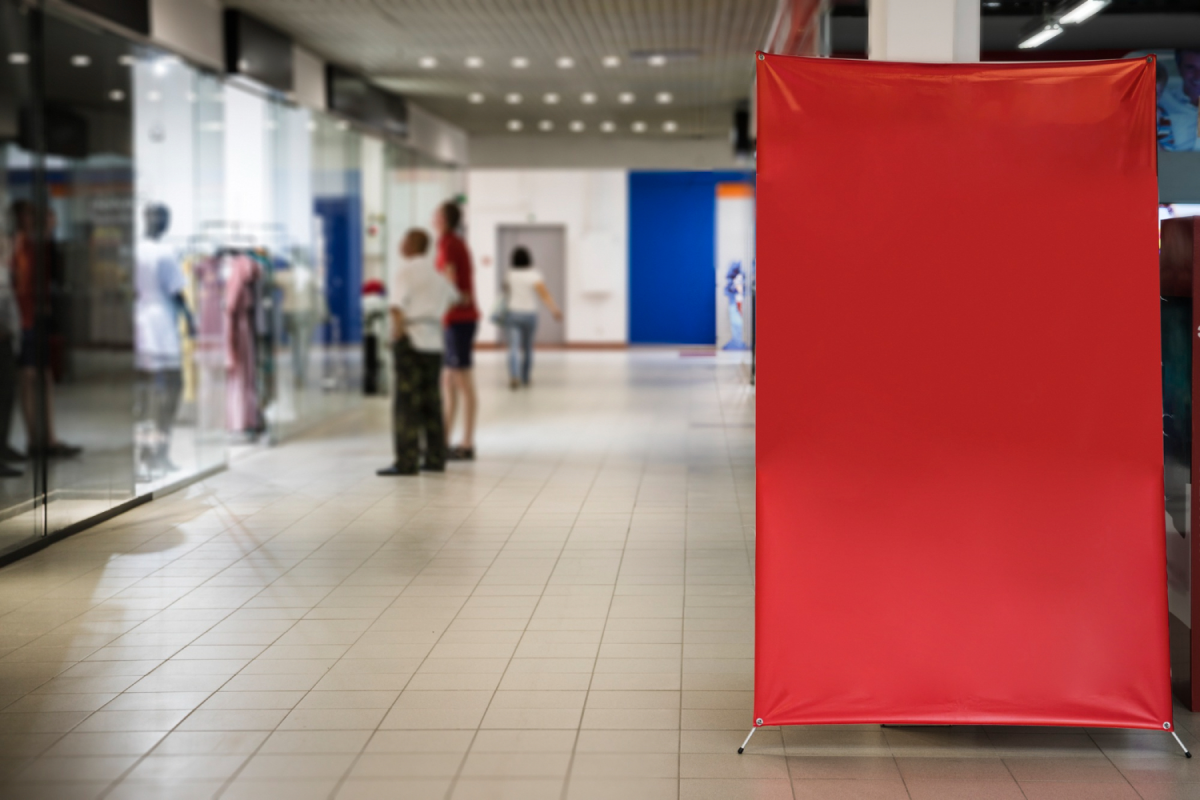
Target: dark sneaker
[(395, 470)]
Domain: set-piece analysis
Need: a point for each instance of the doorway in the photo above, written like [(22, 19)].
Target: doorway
[(548, 246)]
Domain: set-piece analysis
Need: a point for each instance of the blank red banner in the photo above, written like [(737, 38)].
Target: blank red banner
[(960, 476)]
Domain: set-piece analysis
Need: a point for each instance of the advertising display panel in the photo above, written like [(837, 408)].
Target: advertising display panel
[(960, 466)]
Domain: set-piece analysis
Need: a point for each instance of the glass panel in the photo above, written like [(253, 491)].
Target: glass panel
[(179, 403), (88, 273), (19, 518)]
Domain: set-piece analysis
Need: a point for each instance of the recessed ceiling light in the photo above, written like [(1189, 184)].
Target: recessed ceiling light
[(626, 97), (638, 127), (577, 126), (81, 61), (611, 61), (512, 98), (427, 62), (663, 97), (546, 125), (474, 62), (657, 60), (608, 126), (116, 95), (565, 62), (475, 97), (126, 61), (520, 62), (515, 125), (312, 125), (153, 96), (670, 126), (588, 98), (18, 58), (550, 98)]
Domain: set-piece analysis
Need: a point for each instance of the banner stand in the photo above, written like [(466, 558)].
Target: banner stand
[(920, 345)]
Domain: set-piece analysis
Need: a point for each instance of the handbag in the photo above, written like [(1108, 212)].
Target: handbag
[(499, 315)]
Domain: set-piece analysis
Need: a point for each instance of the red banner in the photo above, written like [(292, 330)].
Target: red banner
[(960, 474)]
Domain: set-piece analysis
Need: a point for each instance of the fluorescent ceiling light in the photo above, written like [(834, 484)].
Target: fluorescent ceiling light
[(626, 97), (670, 126), (608, 126), (427, 62), (520, 62), (587, 98), (1083, 11), (80, 61), (474, 62), (18, 58), (611, 61), (550, 98), (1041, 35), (657, 60), (515, 125), (577, 126), (546, 125), (475, 97), (512, 98), (664, 97), (638, 127), (153, 96), (566, 62), (126, 61), (116, 95)]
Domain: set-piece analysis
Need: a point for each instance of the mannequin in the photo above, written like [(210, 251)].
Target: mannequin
[(160, 307)]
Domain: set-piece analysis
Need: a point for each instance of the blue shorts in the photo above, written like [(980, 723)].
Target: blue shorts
[(460, 344)]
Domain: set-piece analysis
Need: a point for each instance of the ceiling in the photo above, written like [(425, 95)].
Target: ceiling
[(709, 46)]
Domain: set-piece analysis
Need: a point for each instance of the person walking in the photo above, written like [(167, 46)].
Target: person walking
[(462, 321), (525, 286), (418, 296)]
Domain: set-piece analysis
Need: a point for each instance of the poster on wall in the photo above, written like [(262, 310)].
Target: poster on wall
[(735, 257), (1177, 96)]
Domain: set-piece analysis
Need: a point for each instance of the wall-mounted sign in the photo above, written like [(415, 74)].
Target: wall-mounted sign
[(255, 50)]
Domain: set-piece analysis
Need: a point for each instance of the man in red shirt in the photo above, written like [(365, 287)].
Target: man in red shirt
[(461, 322)]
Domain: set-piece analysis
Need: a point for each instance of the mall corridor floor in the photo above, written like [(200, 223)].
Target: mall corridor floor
[(571, 616)]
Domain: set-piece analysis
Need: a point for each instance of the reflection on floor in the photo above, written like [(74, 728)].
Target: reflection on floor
[(569, 616)]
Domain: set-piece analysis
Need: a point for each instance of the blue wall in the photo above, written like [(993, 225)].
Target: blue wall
[(342, 219), (672, 256)]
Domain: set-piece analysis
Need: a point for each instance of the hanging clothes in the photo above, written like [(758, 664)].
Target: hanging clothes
[(242, 408)]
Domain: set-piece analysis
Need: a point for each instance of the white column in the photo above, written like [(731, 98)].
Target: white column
[(923, 30)]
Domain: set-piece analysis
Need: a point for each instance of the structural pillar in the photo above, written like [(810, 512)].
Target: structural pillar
[(923, 30)]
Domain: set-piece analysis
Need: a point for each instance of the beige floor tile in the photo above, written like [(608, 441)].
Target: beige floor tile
[(515, 765), (294, 766), (850, 790), (421, 741), (508, 789), (50, 769), (730, 789), (1072, 790), (179, 769), (309, 789), (132, 743), (626, 789), (954, 789), (222, 742), (406, 788)]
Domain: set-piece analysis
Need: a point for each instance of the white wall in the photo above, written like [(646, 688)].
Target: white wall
[(592, 205)]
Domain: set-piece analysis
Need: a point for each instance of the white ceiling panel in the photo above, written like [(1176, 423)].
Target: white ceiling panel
[(708, 45)]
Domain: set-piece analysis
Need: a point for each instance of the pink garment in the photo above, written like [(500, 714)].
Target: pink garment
[(241, 398)]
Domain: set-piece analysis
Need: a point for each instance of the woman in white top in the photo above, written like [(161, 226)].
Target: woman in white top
[(524, 287)]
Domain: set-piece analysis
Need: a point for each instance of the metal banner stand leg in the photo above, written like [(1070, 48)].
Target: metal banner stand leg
[(1186, 752), (751, 733)]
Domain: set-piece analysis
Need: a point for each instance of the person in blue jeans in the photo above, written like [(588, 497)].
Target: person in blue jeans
[(524, 288)]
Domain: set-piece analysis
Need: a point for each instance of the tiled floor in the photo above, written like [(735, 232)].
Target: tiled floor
[(571, 616)]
